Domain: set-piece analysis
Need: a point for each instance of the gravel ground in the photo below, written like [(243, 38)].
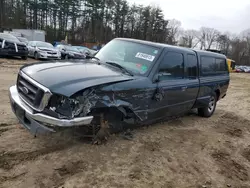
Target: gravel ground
[(187, 152)]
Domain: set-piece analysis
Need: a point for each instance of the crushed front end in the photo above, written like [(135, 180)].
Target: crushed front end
[(40, 111)]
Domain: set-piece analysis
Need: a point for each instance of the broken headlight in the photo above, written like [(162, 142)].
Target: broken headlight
[(66, 107)]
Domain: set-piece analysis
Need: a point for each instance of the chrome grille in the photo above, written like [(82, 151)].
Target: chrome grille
[(21, 48), (34, 94), (9, 45), (52, 53)]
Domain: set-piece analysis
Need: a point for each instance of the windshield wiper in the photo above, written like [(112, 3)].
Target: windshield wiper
[(120, 67), (92, 57)]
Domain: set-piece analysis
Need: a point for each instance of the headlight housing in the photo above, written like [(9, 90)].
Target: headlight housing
[(71, 54), (65, 107), (75, 106)]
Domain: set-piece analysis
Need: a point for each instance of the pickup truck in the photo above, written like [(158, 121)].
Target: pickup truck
[(127, 83), (11, 46)]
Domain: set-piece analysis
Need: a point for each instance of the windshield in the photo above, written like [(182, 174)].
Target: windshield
[(44, 44), (23, 39), (72, 49), (135, 57), (8, 37)]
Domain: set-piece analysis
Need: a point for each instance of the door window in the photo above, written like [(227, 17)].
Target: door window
[(172, 66)]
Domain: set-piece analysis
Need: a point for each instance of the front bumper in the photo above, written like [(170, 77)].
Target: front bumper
[(9, 52), (34, 121)]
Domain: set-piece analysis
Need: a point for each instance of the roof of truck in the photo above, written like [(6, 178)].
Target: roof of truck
[(155, 44), (208, 53), (161, 45)]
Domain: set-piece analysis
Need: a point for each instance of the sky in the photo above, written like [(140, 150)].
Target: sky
[(224, 15)]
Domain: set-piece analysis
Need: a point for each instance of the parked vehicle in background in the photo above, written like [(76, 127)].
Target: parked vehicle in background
[(242, 68), (30, 34), (43, 50), (145, 83), (11, 46), (85, 50), (231, 65), (69, 52), (23, 40)]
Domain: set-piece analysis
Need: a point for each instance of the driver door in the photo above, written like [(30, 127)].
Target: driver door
[(171, 86)]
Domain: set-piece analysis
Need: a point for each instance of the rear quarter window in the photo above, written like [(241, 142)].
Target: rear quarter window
[(213, 65), (221, 65)]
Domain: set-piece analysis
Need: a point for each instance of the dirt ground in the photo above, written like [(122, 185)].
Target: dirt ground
[(187, 152)]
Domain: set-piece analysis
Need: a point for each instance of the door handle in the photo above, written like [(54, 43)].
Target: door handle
[(184, 88)]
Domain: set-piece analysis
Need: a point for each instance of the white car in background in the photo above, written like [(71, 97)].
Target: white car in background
[(43, 50)]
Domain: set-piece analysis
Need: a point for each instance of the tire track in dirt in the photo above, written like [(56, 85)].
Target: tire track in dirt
[(9, 159), (11, 178), (7, 124), (229, 167), (246, 153), (67, 170), (232, 125)]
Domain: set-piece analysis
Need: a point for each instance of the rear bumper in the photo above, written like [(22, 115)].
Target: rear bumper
[(34, 121)]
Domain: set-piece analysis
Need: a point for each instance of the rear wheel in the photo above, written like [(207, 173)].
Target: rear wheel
[(24, 57), (208, 111)]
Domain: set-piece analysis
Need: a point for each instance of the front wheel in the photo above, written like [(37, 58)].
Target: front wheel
[(36, 56), (210, 108)]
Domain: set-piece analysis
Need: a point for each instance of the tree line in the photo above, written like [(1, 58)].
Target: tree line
[(99, 21)]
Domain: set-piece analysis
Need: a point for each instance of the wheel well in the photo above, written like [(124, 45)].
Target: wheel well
[(109, 113), (113, 113), (217, 91)]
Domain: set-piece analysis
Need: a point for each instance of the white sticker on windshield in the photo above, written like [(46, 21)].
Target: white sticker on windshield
[(145, 56)]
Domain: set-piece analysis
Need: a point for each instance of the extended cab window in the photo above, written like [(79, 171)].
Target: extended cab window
[(207, 65), (221, 65), (191, 66), (212, 65), (172, 66)]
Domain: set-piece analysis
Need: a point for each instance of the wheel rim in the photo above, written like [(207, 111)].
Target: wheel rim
[(211, 104)]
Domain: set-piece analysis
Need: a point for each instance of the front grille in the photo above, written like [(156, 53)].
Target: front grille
[(51, 53), (21, 48), (29, 92), (52, 57), (9, 45)]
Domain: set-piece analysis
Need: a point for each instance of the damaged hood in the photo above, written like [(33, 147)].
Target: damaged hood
[(69, 77)]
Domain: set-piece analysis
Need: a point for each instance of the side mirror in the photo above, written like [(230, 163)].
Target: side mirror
[(156, 78), (159, 75)]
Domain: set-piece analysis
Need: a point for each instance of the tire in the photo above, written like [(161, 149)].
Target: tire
[(24, 57), (36, 56), (208, 111), (66, 57)]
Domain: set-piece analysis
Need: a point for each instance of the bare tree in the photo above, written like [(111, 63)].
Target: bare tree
[(174, 27), (224, 42), (189, 38), (207, 37)]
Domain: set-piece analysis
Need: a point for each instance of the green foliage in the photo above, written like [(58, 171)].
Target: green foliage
[(85, 20)]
